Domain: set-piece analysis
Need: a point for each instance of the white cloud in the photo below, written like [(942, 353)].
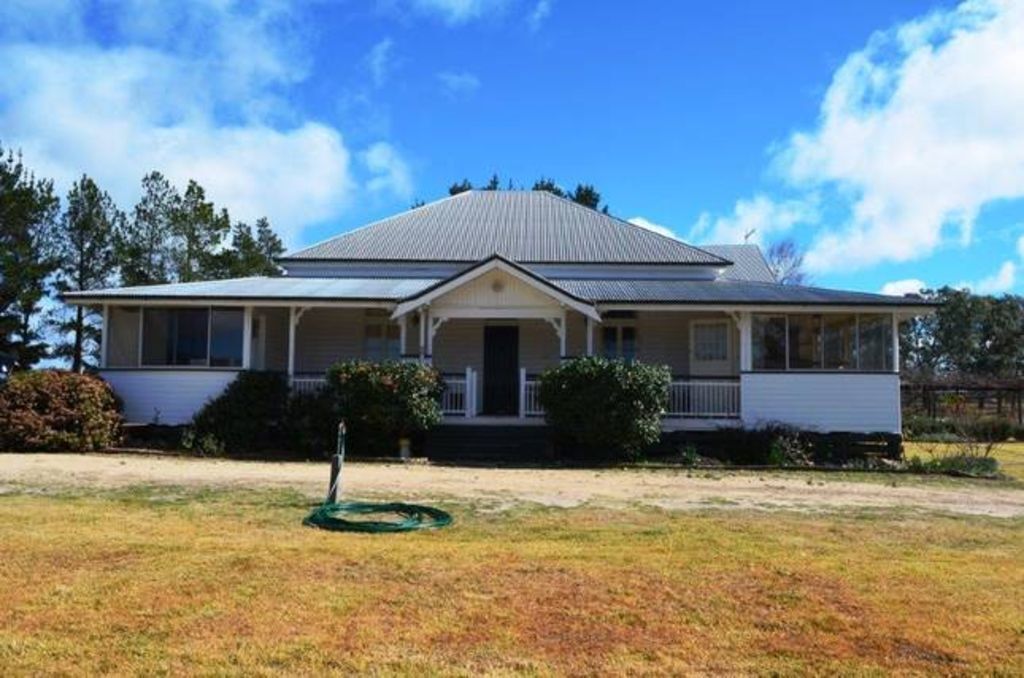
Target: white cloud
[(900, 287), (391, 173), (756, 221), (1020, 247), (458, 84), (917, 132), (458, 11), (997, 283), (651, 226), (379, 61), (540, 12), (192, 89)]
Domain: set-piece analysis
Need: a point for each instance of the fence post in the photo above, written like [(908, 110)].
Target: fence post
[(522, 392)]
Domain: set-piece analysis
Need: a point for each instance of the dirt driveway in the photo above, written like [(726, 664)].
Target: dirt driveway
[(505, 487)]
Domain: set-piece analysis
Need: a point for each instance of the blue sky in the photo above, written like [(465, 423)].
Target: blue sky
[(885, 137)]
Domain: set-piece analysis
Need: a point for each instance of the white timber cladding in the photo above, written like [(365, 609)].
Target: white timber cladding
[(166, 396), (839, 401), (327, 335), (663, 338), (493, 290)]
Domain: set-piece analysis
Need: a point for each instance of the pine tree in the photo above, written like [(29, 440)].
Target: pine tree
[(86, 256), (28, 210), (251, 254), (198, 230), (143, 243)]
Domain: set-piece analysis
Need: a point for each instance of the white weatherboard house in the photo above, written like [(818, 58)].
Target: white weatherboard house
[(492, 288)]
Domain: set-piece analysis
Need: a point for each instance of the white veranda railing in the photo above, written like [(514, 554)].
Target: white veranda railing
[(704, 398), (698, 398)]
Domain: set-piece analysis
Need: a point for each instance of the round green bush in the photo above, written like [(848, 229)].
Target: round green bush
[(55, 410), (246, 418), (383, 402), (602, 409)]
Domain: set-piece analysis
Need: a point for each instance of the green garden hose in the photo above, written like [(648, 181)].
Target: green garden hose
[(330, 514)]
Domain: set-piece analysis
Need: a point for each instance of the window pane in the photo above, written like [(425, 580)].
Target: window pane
[(226, 337), (394, 347), (190, 343), (840, 331), (711, 342), (804, 342), (876, 342), (174, 336), (769, 339), (629, 343), (157, 345), (610, 342)]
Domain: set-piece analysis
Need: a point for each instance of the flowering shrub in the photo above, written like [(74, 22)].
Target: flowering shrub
[(382, 402), (604, 409), (55, 410)]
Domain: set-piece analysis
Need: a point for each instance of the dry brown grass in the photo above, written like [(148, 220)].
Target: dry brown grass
[(165, 581)]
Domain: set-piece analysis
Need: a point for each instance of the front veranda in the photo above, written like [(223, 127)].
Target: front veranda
[(160, 357)]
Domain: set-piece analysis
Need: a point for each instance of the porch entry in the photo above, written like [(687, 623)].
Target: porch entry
[(501, 370)]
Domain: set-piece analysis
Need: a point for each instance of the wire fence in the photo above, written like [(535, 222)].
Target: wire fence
[(940, 400)]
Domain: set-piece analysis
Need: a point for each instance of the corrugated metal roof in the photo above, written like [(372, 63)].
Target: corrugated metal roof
[(748, 263), (524, 226), (722, 291), (313, 289)]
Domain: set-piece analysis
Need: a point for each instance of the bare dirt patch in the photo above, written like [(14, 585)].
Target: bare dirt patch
[(667, 489)]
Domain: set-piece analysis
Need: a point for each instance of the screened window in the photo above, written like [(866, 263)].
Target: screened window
[(840, 341), (382, 339), (226, 327), (828, 341), (192, 337), (769, 338), (804, 342), (711, 341), (876, 342), (618, 341)]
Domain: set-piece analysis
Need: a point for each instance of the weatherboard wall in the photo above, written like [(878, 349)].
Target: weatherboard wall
[(838, 401)]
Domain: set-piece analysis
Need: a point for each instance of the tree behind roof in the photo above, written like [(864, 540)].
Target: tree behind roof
[(28, 210), (86, 260)]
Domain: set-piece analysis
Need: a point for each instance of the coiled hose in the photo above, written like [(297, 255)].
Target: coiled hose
[(331, 514)]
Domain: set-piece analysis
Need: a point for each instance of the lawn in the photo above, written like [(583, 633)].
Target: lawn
[(169, 580)]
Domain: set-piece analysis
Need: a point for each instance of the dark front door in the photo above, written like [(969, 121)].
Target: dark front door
[(501, 373)]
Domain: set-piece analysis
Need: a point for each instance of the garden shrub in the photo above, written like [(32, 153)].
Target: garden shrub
[(977, 465), (602, 409), (964, 425), (311, 424), (789, 448), (246, 418), (989, 429), (917, 427), (383, 402), (56, 410)]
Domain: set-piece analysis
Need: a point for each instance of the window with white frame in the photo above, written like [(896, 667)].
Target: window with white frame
[(382, 339), (823, 341), (618, 336), (192, 337), (710, 341)]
